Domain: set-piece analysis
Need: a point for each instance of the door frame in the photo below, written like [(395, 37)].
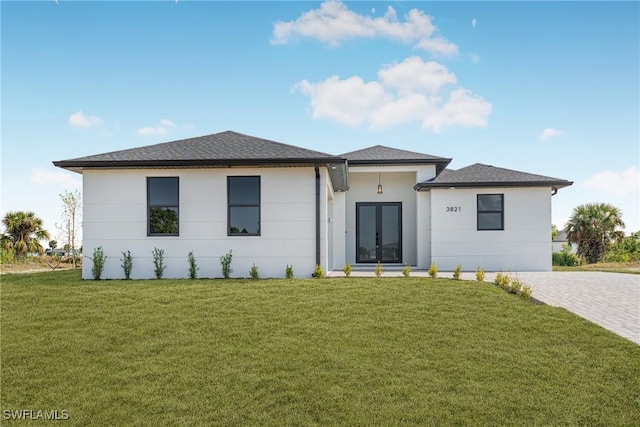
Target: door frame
[(378, 206)]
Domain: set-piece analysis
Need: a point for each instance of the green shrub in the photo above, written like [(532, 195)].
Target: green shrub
[(480, 274), (378, 270), (158, 262), (347, 270), (193, 267), (254, 273), (7, 256), (502, 280), (99, 258), (617, 257), (225, 263), (406, 270), (127, 264), (526, 292), (565, 258), (456, 272), (318, 272), (433, 270), (288, 272), (516, 286)]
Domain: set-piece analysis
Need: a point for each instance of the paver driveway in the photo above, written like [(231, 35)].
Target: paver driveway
[(612, 300)]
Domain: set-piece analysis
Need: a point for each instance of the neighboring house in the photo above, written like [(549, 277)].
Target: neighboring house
[(560, 241), (275, 205)]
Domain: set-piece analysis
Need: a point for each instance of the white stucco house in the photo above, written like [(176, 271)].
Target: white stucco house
[(274, 205)]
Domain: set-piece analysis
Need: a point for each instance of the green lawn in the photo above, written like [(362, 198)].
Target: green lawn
[(632, 267), (306, 352)]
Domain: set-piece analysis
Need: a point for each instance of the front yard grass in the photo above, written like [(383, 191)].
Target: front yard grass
[(359, 351), (631, 267)]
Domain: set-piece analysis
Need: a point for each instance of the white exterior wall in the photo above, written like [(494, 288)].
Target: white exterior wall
[(423, 229), (115, 217), (523, 245), (338, 226), (397, 183)]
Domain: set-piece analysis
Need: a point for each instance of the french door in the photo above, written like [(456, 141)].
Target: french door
[(379, 232)]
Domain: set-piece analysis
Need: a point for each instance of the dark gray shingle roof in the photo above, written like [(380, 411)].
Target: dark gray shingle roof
[(221, 146), (480, 175), (219, 149), (381, 155)]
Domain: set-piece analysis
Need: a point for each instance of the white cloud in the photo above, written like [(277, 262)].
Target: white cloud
[(474, 57), (348, 101), (462, 109), (406, 92), (161, 128), (413, 74), (406, 109), (438, 45), (60, 179), (81, 120), (620, 183), (551, 133), (333, 22), (189, 127), (474, 22)]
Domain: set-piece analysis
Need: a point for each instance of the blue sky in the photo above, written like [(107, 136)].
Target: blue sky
[(543, 87)]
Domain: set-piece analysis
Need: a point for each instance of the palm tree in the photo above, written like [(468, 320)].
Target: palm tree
[(23, 232), (594, 227)]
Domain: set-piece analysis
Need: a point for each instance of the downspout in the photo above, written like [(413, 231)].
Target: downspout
[(317, 170)]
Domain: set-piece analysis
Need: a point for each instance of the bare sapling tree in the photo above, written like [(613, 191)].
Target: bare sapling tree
[(71, 220)]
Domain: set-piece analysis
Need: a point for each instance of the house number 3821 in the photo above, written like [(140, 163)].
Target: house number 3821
[(454, 209)]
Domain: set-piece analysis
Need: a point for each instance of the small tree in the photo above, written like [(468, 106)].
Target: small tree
[(193, 267), (72, 207), (53, 244), (288, 272), (225, 263), (127, 264), (99, 259), (23, 232), (158, 262), (254, 273), (594, 227)]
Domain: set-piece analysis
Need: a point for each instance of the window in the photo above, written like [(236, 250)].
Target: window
[(163, 209), (490, 211), (243, 196)]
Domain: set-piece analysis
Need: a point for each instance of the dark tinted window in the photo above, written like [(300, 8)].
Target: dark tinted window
[(490, 211), (243, 194), (163, 210)]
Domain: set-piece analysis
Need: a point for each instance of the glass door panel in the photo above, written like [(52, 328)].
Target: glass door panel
[(379, 232)]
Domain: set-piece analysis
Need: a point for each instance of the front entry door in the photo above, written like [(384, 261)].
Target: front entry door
[(379, 232)]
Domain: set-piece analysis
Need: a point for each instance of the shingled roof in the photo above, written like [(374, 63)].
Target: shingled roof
[(381, 155), (481, 175), (219, 149)]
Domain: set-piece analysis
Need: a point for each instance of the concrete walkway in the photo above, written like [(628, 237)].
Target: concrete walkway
[(611, 300)]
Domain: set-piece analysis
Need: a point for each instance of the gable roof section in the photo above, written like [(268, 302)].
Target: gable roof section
[(481, 175), (217, 150), (381, 155)]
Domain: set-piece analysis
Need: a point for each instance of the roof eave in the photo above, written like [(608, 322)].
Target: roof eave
[(68, 164), (426, 186)]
